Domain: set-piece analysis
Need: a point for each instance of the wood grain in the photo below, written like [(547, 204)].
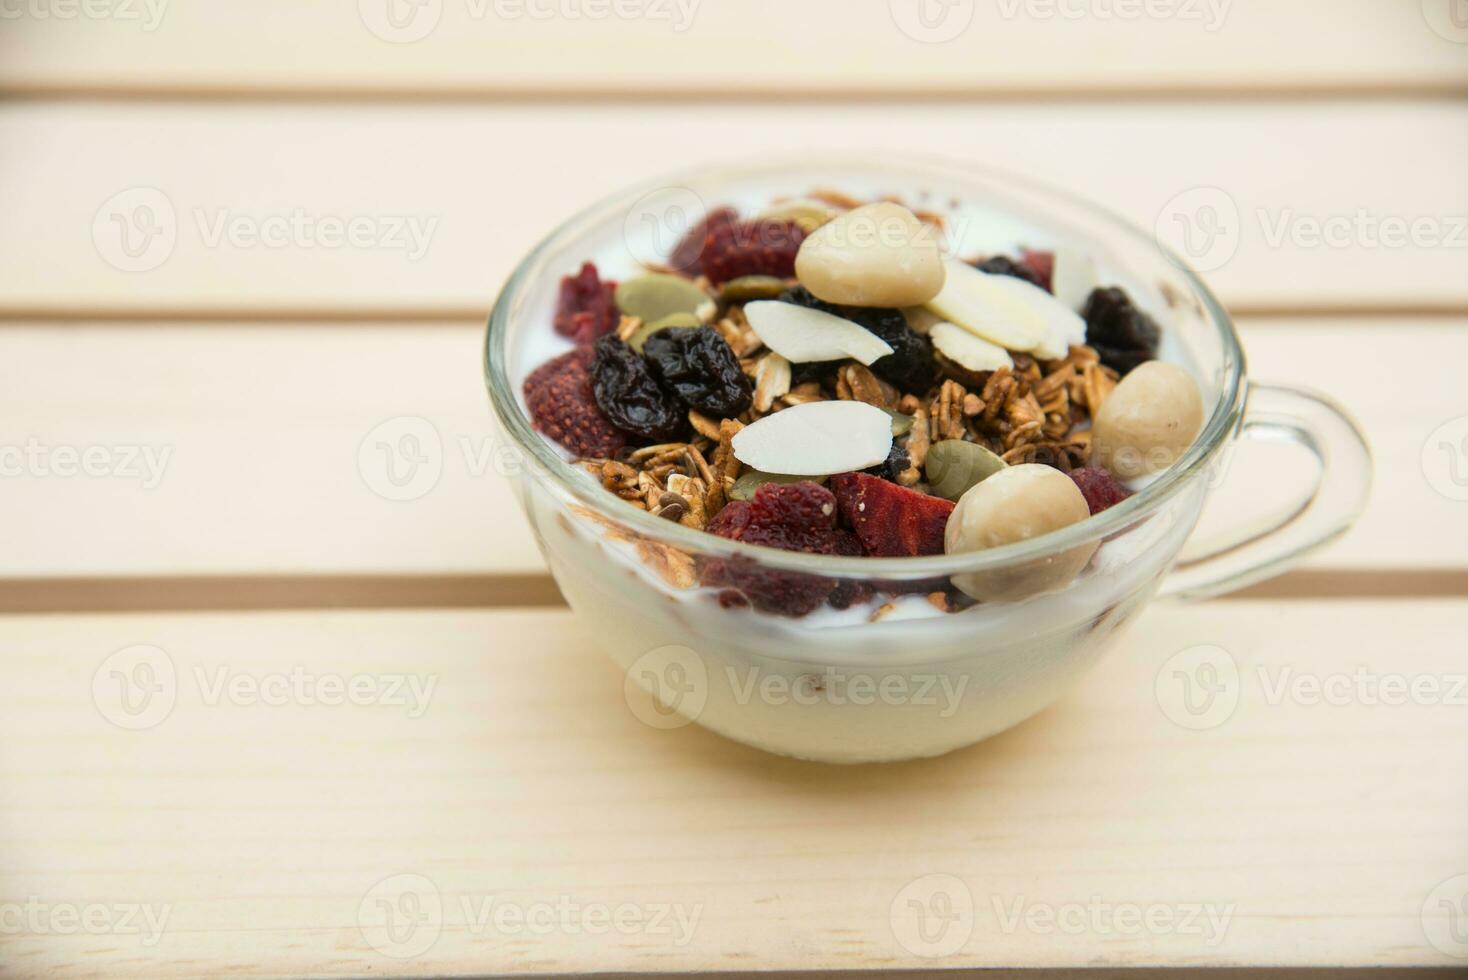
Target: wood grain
[(264, 428), (759, 48), (482, 184), (1320, 828)]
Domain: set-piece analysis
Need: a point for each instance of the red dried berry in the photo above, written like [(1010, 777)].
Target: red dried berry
[(793, 517), (1042, 265), (585, 308), (750, 248), (891, 521), (562, 406), (687, 254), (1099, 487)]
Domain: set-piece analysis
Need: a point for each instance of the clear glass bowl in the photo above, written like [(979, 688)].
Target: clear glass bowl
[(835, 686)]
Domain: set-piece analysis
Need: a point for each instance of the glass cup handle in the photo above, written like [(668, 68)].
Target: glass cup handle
[(1250, 554)]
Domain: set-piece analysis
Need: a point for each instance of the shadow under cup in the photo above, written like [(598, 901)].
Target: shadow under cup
[(834, 686)]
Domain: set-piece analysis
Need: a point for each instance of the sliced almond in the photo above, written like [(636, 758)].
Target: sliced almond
[(968, 350), (1063, 326), (982, 305), (801, 334), (816, 439), (771, 381)]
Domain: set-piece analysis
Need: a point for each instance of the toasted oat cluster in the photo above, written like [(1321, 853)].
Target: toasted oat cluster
[(820, 377)]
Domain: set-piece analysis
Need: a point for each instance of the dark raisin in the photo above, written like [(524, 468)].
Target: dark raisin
[(1003, 265), (1123, 335), (700, 365), (910, 366), (631, 397), (897, 460)]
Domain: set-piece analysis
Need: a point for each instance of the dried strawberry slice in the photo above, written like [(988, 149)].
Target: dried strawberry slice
[(562, 406), (1099, 487), (750, 248), (687, 254), (585, 307), (891, 521)]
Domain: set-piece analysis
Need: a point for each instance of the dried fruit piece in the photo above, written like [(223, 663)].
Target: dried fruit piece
[(689, 250), (1042, 266), (676, 321), (631, 397), (889, 520), (657, 295), (875, 255), (910, 366), (795, 517), (701, 368), (1099, 487), (1123, 335), (561, 404), (802, 335), (585, 309), (981, 304), (750, 248), (817, 438), (968, 350), (1003, 265), (893, 466), (954, 465)]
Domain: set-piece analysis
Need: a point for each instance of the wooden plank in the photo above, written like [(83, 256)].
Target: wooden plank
[(267, 832), (256, 432), (448, 198), (756, 47)]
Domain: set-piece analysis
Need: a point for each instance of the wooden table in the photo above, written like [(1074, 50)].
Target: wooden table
[(482, 801)]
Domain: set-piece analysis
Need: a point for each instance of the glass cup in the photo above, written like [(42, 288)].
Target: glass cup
[(842, 686)]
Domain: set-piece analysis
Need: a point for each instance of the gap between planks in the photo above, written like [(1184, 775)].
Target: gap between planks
[(240, 593)]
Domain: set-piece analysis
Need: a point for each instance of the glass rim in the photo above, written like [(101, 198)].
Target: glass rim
[(577, 483)]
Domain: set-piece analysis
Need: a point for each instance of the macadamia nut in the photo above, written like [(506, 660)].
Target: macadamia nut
[(1016, 504), (875, 255), (1148, 422)]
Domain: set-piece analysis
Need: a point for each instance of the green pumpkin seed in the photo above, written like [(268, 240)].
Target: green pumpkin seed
[(901, 424), (746, 485), (953, 466), (658, 295), (674, 321), (809, 215), (747, 289)]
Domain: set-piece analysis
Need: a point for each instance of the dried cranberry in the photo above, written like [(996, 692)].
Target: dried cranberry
[(1099, 487), (910, 366), (1002, 265), (1042, 264), (585, 308), (689, 250), (890, 520), (750, 248), (559, 397), (700, 365), (1123, 335), (631, 397)]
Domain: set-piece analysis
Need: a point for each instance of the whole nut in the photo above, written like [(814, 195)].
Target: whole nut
[(877, 255), (1148, 421), (1016, 504)]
